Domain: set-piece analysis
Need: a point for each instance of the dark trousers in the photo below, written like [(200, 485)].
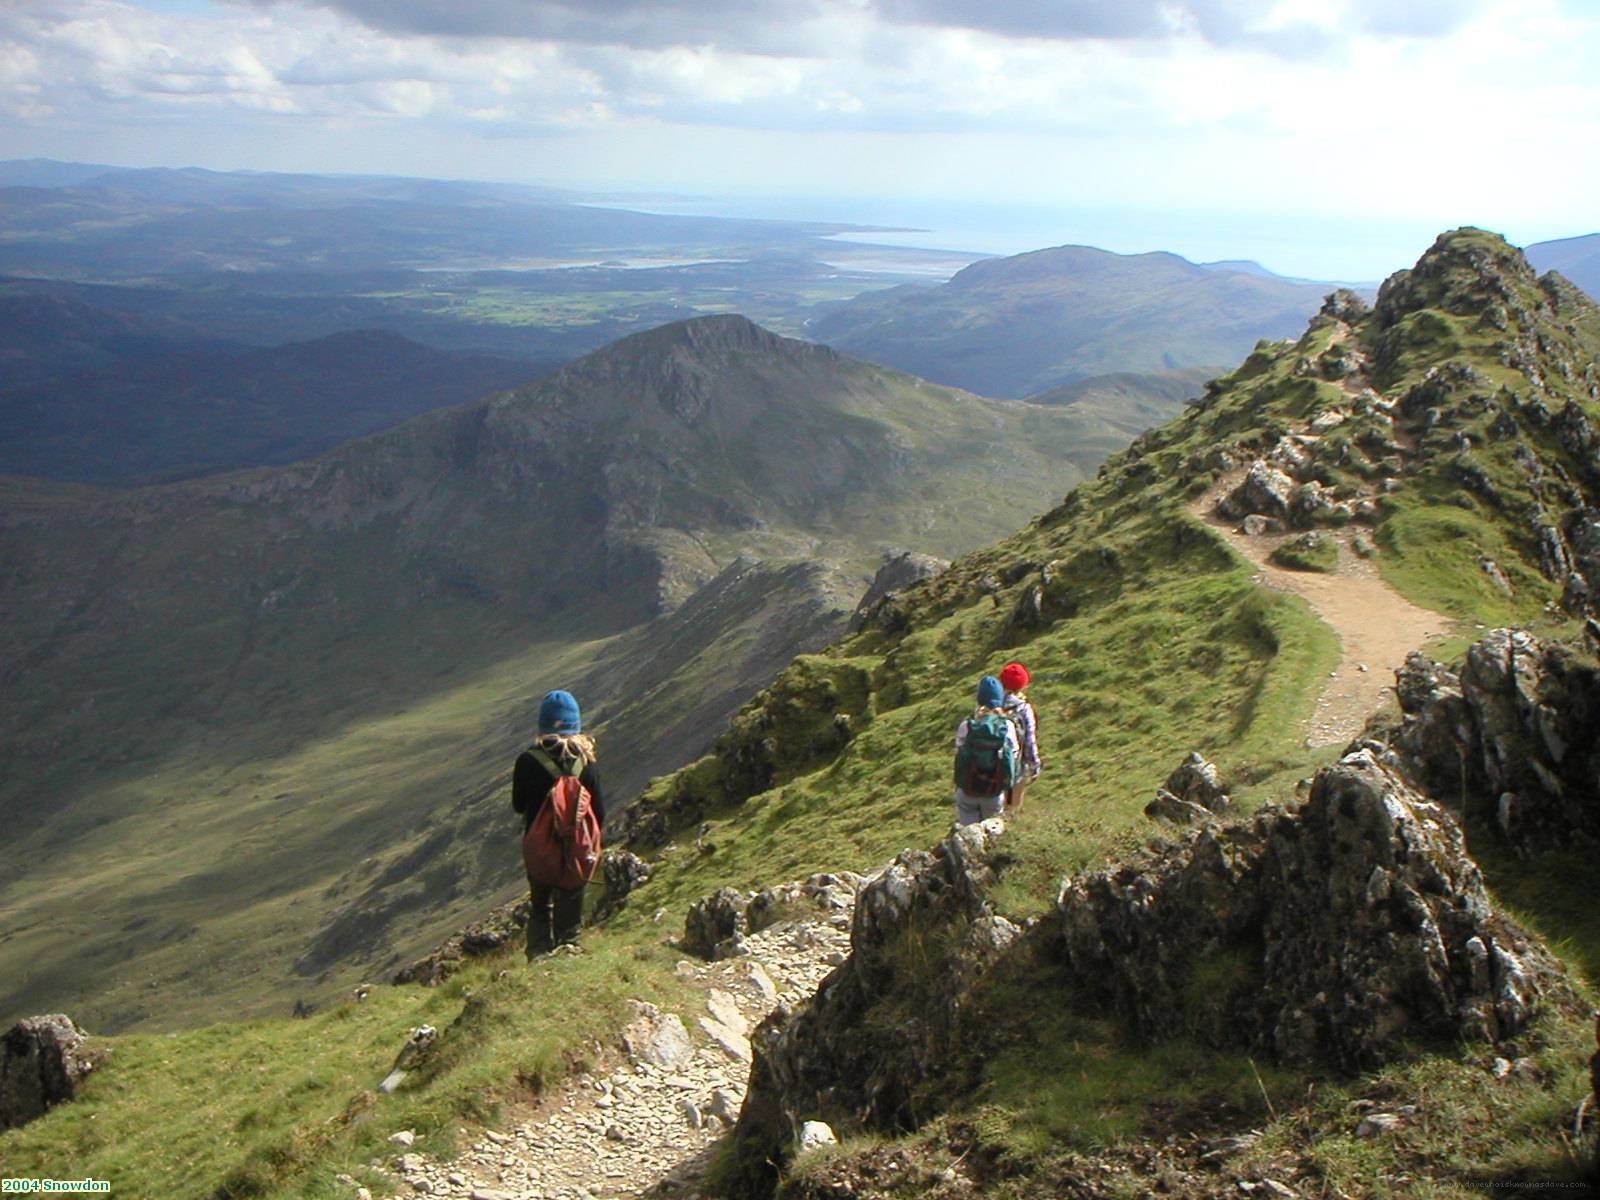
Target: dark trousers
[(555, 917)]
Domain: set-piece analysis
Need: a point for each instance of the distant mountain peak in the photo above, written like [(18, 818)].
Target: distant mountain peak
[(688, 348), (717, 333), (1051, 264)]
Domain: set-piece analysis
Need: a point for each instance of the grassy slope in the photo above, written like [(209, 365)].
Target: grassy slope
[(1158, 644)]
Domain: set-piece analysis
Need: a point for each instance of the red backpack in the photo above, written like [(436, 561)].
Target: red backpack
[(562, 845)]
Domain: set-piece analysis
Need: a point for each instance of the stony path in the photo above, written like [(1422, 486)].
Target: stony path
[(649, 1124), (1377, 626)]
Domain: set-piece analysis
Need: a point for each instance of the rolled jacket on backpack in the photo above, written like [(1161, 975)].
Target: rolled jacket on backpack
[(531, 782)]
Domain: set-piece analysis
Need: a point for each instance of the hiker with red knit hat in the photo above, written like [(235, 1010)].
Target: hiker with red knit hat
[(562, 751), (1014, 677)]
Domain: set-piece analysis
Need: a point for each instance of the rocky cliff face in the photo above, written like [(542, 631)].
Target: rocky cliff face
[(1334, 932), (1509, 737), (891, 1021)]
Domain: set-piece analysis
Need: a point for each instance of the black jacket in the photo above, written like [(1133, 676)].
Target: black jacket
[(530, 782)]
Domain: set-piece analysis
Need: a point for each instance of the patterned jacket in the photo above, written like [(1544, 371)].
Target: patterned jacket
[(1021, 713)]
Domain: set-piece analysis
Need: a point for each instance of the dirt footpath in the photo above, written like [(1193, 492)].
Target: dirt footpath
[(1377, 627)]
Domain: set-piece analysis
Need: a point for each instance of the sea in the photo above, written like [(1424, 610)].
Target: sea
[(1333, 248)]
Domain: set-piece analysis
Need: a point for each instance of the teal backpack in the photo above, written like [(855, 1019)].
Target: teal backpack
[(986, 763)]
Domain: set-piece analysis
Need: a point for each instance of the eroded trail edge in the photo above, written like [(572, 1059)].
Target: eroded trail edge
[(646, 1122)]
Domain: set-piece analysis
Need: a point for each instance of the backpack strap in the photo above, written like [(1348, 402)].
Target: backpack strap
[(541, 757)]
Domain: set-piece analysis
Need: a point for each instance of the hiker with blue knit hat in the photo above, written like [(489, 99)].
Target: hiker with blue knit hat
[(555, 786), (987, 756)]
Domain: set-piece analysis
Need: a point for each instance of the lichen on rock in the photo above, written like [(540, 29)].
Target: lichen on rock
[(1516, 734), (43, 1061), (892, 1016)]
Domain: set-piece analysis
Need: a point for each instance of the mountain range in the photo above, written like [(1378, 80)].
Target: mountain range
[(1577, 258), (104, 222), (300, 688)]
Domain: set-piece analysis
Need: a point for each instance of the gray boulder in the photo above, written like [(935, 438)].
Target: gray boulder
[(1342, 304), (43, 1061), (714, 927), (1265, 491), (1334, 933), (1309, 501), (1192, 792), (1255, 525), (624, 873), (656, 1038)]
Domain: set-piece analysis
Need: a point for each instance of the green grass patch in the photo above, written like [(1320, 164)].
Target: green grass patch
[(1435, 556), (1311, 551), (1057, 1078)]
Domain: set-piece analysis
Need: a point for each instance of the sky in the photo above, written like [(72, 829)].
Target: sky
[(1326, 138)]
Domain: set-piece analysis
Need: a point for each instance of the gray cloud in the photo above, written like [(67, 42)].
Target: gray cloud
[(1036, 18), (643, 24), (800, 26), (1417, 18), (1221, 22)]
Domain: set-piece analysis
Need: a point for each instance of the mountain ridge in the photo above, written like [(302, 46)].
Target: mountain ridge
[(1025, 324), (1577, 258), (197, 409)]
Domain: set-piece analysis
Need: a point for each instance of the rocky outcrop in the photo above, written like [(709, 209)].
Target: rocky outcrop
[(43, 1061), (1516, 734), (1334, 933), (715, 927), (624, 873), (1193, 792), (503, 924), (898, 571), (891, 1018)]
